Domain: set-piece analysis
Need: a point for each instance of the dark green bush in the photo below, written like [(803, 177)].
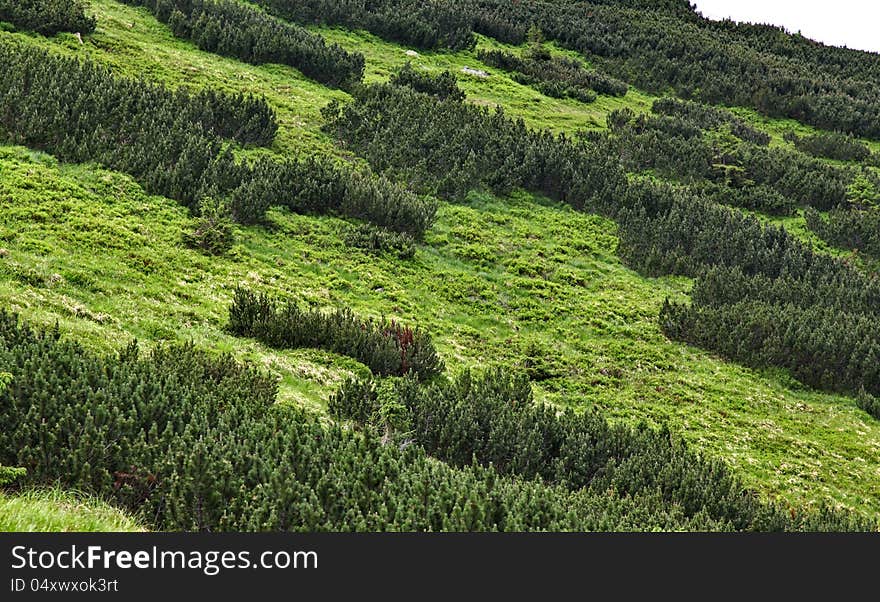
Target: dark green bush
[(443, 86), (821, 346), (674, 144), (428, 24), (48, 17), (234, 29), (831, 145), (848, 229), (190, 441), (555, 76), (869, 403), (381, 240), (385, 346), (492, 418), (710, 118), (9, 475), (213, 232)]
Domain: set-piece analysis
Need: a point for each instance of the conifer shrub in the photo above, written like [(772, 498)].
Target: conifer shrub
[(822, 347), (9, 475), (166, 140), (491, 418), (238, 30), (385, 346), (443, 86), (213, 232), (710, 118), (848, 228), (831, 145), (869, 403), (558, 77), (676, 143), (374, 239), (758, 197), (192, 441), (428, 24), (48, 17), (315, 185)]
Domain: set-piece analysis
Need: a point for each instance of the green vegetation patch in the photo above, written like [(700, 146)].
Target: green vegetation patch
[(54, 510)]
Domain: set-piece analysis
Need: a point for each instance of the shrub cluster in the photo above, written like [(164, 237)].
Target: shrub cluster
[(213, 233), (676, 146), (820, 346), (425, 24), (558, 77), (710, 118), (385, 346), (48, 17), (717, 63), (857, 230), (443, 85), (9, 475), (492, 419), (831, 145), (230, 28), (380, 240), (189, 441)]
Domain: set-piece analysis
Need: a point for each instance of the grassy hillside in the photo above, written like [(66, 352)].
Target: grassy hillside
[(498, 281), (54, 510)]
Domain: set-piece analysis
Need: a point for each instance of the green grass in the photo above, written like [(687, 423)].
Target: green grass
[(497, 281), (52, 510)]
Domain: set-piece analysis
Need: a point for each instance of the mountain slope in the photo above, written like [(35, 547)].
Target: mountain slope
[(517, 281)]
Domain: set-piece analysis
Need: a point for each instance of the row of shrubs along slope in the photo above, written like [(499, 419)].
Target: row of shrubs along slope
[(387, 347), (189, 441), (554, 76), (175, 143), (48, 17), (242, 31)]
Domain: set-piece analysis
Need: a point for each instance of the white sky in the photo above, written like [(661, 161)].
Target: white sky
[(850, 23)]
